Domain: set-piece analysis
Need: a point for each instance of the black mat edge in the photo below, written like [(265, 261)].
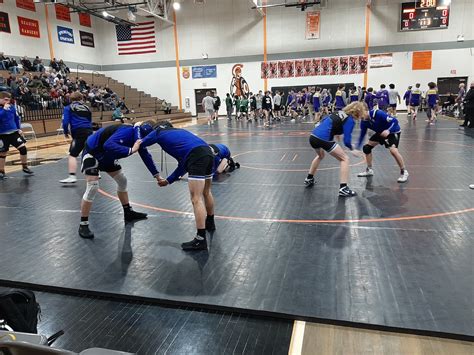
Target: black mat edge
[(212, 307)]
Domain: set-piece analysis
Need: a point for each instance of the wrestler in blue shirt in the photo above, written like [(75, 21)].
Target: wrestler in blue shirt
[(334, 125)]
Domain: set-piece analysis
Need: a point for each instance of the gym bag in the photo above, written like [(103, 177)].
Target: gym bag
[(20, 310)]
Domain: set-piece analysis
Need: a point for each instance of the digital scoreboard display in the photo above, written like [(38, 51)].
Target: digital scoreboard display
[(424, 15)]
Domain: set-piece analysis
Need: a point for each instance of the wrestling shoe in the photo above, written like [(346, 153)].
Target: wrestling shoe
[(28, 171), (403, 177), (72, 179), (210, 225), (85, 232), (132, 215), (3, 176), (195, 244), (471, 186), (309, 182), (366, 173), (346, 192)]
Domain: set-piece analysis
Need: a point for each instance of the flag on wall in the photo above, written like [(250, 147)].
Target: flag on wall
[(62, 12), (28, 27), (4, 22), (26, 4), (138, 39)]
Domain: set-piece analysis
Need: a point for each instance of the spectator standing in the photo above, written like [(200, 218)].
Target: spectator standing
[(469, 108), (393, 96), (217, 105), (228, 105), (208, 105)]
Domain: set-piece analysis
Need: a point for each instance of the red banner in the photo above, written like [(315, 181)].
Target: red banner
[(334, 66), (312, 24), (264, 70), (353, 64), (299, 68), (26, 4), (317, 66), (272, 70), (62, 12), (85, 20), (344, 65), (4, 23), (308, 67), (362, 64), (28, 27), (325, 66)]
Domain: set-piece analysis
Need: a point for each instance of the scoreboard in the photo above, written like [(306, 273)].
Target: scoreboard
[(424, 15)]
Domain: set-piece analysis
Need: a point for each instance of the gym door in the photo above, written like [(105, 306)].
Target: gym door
[(200, 94)]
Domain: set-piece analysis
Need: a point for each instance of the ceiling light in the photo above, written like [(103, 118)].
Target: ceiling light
[(176, 5), (105, 14)]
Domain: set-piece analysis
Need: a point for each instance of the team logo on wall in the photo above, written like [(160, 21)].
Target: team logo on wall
[(186, 73), (4, 23), (238, 85), (65, 35), (87, 39), (28, 27)]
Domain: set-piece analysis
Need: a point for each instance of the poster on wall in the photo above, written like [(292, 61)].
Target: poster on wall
[(312, 24), (362, 64), (286, 69), (308, 67), (334, 66), (344, 65), (65, 35), (85, 20), (204, 71), (422, 60), (28, 27), (299, 68), (273, 70), (185, 72), (4, 23), (325, 66), (87, 39), (316, 66), (62, 12), (264, 72), (383, 60), (353, 64), (26, 4)]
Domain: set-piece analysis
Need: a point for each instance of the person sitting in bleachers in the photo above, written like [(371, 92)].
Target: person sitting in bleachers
[(3, 61), (63, 67), (12, 66), (38, 64), (165, 106), (54, 64), (26, 63)]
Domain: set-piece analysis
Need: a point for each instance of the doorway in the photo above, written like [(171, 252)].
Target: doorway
[(200, 94), (451, 85)]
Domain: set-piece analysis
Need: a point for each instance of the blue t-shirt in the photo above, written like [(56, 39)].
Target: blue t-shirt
[(335, 124), (378, 122)]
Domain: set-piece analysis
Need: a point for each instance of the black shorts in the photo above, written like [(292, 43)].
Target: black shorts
[(199, 163), (393, 105), (318, 143), (79, 138), (91, 166), (14, 139), (277, 108), (393, 139)]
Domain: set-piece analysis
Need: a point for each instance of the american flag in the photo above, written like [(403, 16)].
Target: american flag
[(138, 39)]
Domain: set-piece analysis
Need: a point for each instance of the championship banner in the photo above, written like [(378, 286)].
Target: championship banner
[(272, 70), (286, 69), (381, 60), (299, 68), (26, 4), (65, 35), (353, 64), (4, 23), (362, 64), (313, 20), (308, 67), (85, 20), (62, 12), (28, 27), (316, 66), (422, 60), (344, 65), (87, 39)]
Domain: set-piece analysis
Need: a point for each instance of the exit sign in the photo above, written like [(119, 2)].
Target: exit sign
[(453, 71)]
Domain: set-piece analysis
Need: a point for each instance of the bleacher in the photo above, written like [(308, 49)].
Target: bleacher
[(142, 106)]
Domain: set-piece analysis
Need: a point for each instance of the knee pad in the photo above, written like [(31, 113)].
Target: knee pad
[(121, 181), (22, 150), (91, 190), (367, 149)]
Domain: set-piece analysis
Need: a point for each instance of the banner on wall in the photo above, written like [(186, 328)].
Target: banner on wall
[(186, 74), (313, 19), (85, 20), (362, 64), (316, 66), (299, 68), (28, 27), (343, 65), (381, 60), (204, 71), (65, 35), (325, 66), (308, 67), (4, 23), (353, 64), (264, 71), (422, 60), (26, 4), (273, 70), (62, 13), (87, 39)]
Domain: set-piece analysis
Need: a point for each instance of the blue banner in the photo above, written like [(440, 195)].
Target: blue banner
[(206, 71), (65, 34)]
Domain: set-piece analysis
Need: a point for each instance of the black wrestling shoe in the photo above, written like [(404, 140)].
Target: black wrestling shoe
[(195, 244), (3, 176), (346, 192), (309, 182), (210, 225), (28, 171), (85, 232), (132, 215)]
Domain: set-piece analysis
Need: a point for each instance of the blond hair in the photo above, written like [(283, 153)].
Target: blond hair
[(356, 109), (5, 95), (76, 96)]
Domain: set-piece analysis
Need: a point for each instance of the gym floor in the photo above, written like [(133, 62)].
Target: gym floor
[(396, 257)]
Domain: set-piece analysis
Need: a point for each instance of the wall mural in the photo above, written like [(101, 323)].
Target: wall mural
[(238, 85)]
